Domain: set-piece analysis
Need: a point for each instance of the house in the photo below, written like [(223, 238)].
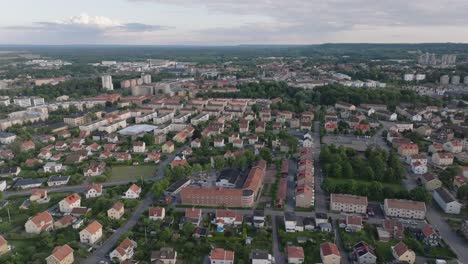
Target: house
[(305, 197), (329, 253), (65, 221), (157, 213), (418, 168), (363, 253), (28, 183), (348, 203), (123, 156), (258, 219), (454, 146), (168, 147), (93, 190), (153, 157), (180, 137), (95, 169), (39, 196), (446, 201), (435, 147), (7, 138), (178, 161), (57, 180), (290, 221), (408, 149), (61, 255), (92, 233), (261, 257), (192, 215), (244, 126), (221, 256), (67, 204), (218, 142), (404, 209), (403, 254), (164, 256), (353, 223), (442, 159), (295, 255), (116, 211), (464, 228), (44, 154), (133, 192), (38, 223), (196, 143), (430, 236), (228, 217), (307, 143), (391, 229), (4, 247), (430, 181), (27, 146), (52, 167), (124, 251)]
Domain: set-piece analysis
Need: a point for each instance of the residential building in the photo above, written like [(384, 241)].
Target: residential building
[(116, 211), (446, 201), (430, 181), (168, 147), (164, 256), (92, 233), (67, 204), (454, 146), (364, 253), (95, 169), (442, 159), (403, 254), (305, 197), (39, 196), (430, 236), (156, 213), (353, 223), (124, 251), (261, 257), (93, 190), (408, 149), (4, 247), (61, 255), (133, 192), (329, 253), (295, 255), (38, 223), (348, 203), (404, 209), (221, 256), (57, 180)]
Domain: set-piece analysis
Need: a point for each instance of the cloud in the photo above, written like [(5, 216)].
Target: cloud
[(81, 29)]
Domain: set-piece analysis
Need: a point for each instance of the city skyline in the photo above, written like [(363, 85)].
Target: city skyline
[(228, 22)]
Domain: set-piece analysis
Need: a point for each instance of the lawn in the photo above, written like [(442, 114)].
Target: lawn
[(311, 247), (122, 173), (396, 187)]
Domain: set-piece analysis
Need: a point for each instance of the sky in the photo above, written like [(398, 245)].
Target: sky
[(232, 22)]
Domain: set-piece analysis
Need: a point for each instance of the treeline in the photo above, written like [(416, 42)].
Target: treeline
[(375, 165)]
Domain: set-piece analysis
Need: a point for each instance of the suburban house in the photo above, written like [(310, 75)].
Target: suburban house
[(221, 256), (348, 203), (95, 169), (52, 167), (168, 147), (192, 215), (446, 201), (403, 254), (139, 147), (404, 208), (61, 255), (295, 255), (408, 149), (430, 181), (92, 233), (38, 223), (329, 253), (124, 251), (116, 211), (65, 221), (430, 236), (418, 168), (67, 204), (164, 256), (353, 223), (133, 192), (364, 253), (442, 159), (261, 257), (228, 217), (157, 213), (391, 229), (57, 180), (454, 146), (305, 197), (39, 196), (93, 190), (153, 157)]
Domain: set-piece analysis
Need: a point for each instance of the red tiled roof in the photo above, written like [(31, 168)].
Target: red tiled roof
[(329, 249), (93, 227), (400, 248), (61, 252), (221, 254), (72, 198), (295, 252)]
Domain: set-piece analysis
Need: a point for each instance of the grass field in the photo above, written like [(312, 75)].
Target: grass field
[(396, 187), (122, 173)]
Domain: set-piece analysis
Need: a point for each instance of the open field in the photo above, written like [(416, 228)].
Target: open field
[(122, 173)]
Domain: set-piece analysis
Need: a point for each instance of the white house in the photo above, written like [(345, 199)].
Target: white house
[(418, 168), (219, 142), (446, 201), (93, 191), (307, 143), (52, 167), (67, 204), (133, 192), (157, 213), (92, 233), (290, 222)]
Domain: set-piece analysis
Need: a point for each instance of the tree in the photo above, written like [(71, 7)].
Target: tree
[(462, 192), (219, 162), (265, 153), (148, 139), (348, 172), (420, 194)]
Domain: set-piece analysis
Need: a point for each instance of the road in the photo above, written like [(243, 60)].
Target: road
[(109, 244), (339, 243), (277, 254)]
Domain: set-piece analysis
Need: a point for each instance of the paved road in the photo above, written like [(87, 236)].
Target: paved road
[(109, 244), (277, 254), (339, 243)]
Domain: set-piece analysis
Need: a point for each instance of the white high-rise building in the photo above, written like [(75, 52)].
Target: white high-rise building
[(146, 78), (420, 76), (107, 82), (408, 77)]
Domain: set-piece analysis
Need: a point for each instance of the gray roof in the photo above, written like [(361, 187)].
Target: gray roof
[(445, 195)]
